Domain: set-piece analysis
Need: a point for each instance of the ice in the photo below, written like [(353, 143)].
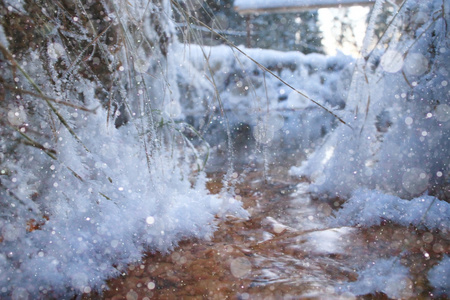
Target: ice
[(329, 241)]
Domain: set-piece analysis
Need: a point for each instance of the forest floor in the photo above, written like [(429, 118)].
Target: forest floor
[(283, 251)]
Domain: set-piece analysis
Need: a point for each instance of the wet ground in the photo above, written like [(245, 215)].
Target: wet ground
[(283, 251)]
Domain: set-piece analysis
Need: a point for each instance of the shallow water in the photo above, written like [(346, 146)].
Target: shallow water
[(283, 251)]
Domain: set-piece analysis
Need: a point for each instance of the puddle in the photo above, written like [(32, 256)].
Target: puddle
[(283, 251)]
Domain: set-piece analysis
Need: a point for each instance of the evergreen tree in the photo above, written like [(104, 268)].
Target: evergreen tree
[(287, 31)]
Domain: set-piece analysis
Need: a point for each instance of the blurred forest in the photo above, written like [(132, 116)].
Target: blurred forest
[(277, 31)]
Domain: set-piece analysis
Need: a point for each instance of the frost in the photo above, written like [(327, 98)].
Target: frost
[(141, 65), (55, 50)]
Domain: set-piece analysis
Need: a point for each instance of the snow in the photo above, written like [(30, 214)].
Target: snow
[(327, 241), (89, 199), (439, 276), (368, 208), (112, 193), (81, 241), (275, 114), (395, 139), (390, 162), (383, 275)]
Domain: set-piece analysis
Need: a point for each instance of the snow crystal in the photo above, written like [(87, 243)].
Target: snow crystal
[(141, 65), (415, 181)]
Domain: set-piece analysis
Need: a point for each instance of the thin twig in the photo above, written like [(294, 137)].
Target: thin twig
[(12, 88)]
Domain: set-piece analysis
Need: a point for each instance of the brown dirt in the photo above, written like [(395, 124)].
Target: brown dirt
[(261, 258)]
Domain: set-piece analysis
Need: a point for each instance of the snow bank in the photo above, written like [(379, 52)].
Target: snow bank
[(391, 161), (95, 230), (398, 112), (439, 276), (384, 275), (368, 208), (101, 173)]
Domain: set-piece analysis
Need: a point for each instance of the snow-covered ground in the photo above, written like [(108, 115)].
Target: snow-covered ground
[(392, 158), (81, 198), (71, 222)]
